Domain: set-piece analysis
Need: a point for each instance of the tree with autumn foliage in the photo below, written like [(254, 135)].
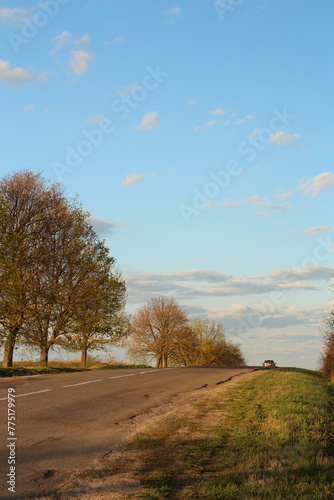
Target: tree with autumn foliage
[(157, 329), (207, 345), (51, 262)]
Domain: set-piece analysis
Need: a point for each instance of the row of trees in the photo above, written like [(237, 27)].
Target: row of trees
[(161, 329), (58, 283), (59, 287)]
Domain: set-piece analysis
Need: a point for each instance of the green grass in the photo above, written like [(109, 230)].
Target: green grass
[(270, 437), (24, 368)]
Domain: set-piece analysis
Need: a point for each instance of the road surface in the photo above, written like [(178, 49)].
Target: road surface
[(64, 422)]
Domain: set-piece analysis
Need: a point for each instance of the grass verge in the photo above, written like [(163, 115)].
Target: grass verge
[(269, 437), (24, 368)]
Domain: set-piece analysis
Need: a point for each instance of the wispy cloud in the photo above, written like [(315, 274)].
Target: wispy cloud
[(80, 61), (29, 108), (15, 16), (131, 179), (129, 88), (263, 206), (285, 196), (245, 118), (116, 41), (314, 186), (192, 102), (104, 226), (173, 14), (96, 120), (14, 76), (66, 38), (217, 112), (282, 138), (203, 283), (255, 132), (210, 123), (319, 229), (149, 122)]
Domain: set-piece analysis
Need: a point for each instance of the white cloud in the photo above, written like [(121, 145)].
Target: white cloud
[(319, 229), (314, 186), (14, 76), (14, 17), (60, 41), (66, 38), (96, 120), (192, 102), (131, 179), (218, 112), (104, 226), (28, 108), (80, 61), (281, 138), (149, 122), (211, 123), (245, 118)]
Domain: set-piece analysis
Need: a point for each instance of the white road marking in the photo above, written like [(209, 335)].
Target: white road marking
[(121, 376), (161, 370), (83, 383), (27, 394)]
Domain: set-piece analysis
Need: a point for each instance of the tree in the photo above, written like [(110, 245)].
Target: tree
[(327, 357), (206, 345), (157, 329), (26, 203), (99, 318), (55, 273)]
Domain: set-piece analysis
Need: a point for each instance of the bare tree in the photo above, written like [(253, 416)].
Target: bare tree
[(157, 329)]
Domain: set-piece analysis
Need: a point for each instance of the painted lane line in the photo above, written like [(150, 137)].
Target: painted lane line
[(83, 383), (161, 371), (28, 394), (121, 376)]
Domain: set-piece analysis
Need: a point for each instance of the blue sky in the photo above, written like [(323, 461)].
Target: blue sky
[(198, 135)]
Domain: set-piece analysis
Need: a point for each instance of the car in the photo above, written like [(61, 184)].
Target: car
[(268, 362)]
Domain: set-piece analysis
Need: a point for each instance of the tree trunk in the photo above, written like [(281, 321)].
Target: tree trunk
[(166, 361), (84, 357), (7, 361), (159, 361), (44, 356)]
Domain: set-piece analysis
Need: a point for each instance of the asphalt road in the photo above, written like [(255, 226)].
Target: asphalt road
[(65, 422)]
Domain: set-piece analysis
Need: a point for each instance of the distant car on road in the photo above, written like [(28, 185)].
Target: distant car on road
[(268, 362)]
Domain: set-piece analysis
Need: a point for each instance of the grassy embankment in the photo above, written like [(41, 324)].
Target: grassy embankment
[(32, 368), (265, 436)]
